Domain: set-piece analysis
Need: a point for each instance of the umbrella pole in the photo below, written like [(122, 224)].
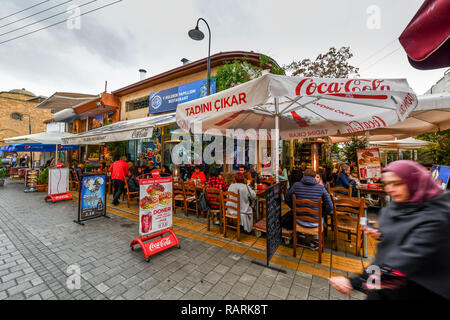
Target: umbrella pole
[(56, 154), (277, 140)]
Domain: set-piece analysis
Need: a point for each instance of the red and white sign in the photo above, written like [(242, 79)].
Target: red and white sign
[(369, 163), (155, 205)]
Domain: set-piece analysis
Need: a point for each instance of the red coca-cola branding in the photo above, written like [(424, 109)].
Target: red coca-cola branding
[(311, 87), (164, 242), (356, 126), (146, 223), (406, 103)]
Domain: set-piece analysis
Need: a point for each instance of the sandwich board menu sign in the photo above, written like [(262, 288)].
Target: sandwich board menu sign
[(155, 215), (31, 179), (369, 163), (155, 205), (92, 197), (273, 219), (58, 184)]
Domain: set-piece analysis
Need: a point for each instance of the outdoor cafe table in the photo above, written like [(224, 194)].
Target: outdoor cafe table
[(379, 192)]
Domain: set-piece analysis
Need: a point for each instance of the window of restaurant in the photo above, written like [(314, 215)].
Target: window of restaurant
[(137, 104)]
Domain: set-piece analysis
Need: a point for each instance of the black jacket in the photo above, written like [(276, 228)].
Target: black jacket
[(133, 184), (415, 240)]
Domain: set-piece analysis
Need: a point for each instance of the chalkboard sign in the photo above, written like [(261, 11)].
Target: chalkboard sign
[(273, 218)]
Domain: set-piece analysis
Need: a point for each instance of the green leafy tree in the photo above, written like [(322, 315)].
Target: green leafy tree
[(239, 71), (439, 151), (332, 64), (349, 150), (117, 149)]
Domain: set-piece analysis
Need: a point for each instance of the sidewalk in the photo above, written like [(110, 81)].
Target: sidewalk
[(39, 241)]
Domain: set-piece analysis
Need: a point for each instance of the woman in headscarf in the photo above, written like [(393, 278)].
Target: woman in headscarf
[(413, 253)]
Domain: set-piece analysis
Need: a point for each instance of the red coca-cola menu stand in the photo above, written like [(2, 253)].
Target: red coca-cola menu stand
[(58, 184), (154, 246), (155, 215)]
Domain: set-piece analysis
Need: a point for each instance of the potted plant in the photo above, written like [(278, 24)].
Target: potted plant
[(3, 175), (42, 180)]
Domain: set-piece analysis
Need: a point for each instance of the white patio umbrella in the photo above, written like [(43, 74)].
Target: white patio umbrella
[(302, 107), (432, 113), (42, 137)]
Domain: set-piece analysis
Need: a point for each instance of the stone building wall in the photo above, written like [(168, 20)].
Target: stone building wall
[(15, 103)]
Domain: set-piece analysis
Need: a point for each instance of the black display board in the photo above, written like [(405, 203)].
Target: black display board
[(92, 197), (273, 218)]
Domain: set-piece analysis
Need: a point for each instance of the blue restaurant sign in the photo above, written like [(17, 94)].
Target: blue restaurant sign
[(168, 99)]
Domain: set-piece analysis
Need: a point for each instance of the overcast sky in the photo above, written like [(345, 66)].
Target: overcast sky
[(112, 43)]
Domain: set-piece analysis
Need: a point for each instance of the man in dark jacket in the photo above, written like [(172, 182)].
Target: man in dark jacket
[(345, 180), (309, 189)]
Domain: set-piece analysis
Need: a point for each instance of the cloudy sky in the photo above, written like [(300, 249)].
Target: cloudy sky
[(112, 43)]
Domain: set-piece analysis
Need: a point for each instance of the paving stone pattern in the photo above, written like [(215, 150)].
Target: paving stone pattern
[(39, 241)]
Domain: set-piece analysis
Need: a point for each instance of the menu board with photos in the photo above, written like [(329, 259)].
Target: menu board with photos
[(369, 163), (155, 205), (31, 178)]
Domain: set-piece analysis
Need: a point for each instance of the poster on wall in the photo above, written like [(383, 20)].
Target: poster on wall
[(369, 164), (92, 197), (441, 175), (96, 122), (152, 148), (155, 205)]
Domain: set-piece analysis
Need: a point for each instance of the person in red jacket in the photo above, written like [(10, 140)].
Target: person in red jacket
[(198, 175), (119, 170)]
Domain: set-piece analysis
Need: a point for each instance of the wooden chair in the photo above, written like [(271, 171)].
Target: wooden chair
[(235, 200), (335, 192), (347, 214), (214, 198), (317, 231), (178, 195), (129, 194), (74, 183), (190, 195)]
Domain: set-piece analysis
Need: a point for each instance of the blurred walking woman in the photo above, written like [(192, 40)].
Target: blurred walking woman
[(413, 252)]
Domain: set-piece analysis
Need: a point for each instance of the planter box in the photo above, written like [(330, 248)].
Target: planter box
[(2, 182), (41, 187)]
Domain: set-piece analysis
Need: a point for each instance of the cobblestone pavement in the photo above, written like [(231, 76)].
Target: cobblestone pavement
[(39, 241)]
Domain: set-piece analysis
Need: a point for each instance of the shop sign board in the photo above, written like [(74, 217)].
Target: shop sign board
[(168, 99), (369, 164)]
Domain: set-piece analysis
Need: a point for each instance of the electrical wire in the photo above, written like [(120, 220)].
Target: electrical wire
[(390, 53), (52, 25), (35, 14), (374, 54), (12, 14), (55, 15)]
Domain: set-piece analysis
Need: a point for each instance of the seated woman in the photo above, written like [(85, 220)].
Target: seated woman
[(133, 182), (198, 175), (245, 208), (345, 179)]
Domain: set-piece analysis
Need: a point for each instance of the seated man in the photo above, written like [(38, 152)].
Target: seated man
[(198, 175), (345, 180), (150, 167), (309, 189)]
